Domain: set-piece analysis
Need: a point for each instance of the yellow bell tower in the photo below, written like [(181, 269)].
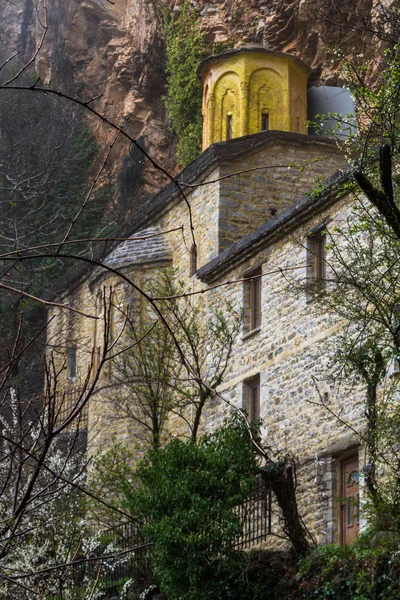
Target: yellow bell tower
[(252, 89)]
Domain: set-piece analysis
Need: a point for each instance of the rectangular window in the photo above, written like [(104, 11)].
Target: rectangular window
[(264, 121), (72, 367), (251, 397), (255, 302), (252, 290), (252, 300), (229, 126), (316, 259)]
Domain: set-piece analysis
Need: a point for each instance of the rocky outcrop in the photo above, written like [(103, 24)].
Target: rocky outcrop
[(115, 50)]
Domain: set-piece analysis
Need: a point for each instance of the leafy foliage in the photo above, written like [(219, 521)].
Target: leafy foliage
[(185, 47), (357, 572), (187, 497), (46, 157)]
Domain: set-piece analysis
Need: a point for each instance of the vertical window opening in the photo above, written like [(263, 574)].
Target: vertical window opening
[(72, 362), (252, 289), (251, 397), (193, 260), (255, 300), (229, 126), (316, 260), (264, 121)]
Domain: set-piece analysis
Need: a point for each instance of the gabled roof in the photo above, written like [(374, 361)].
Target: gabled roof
[(215, 154), (220, 153), (274, 229)]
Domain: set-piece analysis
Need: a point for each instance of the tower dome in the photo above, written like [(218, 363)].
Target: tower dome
[(251, 89)]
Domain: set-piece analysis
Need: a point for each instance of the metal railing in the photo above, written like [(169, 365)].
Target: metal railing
[(109, 575), (67, 401), (62, 403), (255, 515)]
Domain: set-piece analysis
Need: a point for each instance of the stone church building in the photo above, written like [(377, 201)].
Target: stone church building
[(248, 231)]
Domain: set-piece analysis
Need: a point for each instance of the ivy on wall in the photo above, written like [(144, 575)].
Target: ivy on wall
[(185, 47)]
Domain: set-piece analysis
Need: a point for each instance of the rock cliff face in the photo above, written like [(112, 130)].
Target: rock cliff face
[(116, 49)]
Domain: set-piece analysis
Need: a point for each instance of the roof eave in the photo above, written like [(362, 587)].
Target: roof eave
[(274, 229)]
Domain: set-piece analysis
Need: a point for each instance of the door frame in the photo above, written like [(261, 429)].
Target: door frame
[(342, 459)]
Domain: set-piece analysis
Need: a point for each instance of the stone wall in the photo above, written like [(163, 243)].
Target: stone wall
[(288, 351), (270, 180)]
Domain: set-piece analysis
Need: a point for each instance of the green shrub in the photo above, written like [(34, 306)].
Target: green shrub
[(362, 571), (187, 497), (185, 47)]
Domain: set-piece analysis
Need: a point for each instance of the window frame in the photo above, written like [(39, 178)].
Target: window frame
[(316, 258), (229, 126), (72, 363), (252, 300), (264, 121), (255, 302), (343, 524), (252, 397)]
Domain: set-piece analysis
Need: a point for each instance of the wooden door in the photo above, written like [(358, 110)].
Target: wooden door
[(350, 500)]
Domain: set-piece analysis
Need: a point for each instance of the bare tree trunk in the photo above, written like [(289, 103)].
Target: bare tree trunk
[(280, 477)]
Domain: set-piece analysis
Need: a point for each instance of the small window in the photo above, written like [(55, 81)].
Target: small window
[(72, 362), (193, 260), (316, 260), (251, 397), (264, 121), (96, 360), (252, 301), (229, 124), (255, 300)]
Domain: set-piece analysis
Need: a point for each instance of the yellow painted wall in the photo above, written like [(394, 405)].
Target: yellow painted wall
[(242, 86)]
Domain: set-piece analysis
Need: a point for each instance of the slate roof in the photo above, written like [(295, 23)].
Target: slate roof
[(152, 247), (221, 152)]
